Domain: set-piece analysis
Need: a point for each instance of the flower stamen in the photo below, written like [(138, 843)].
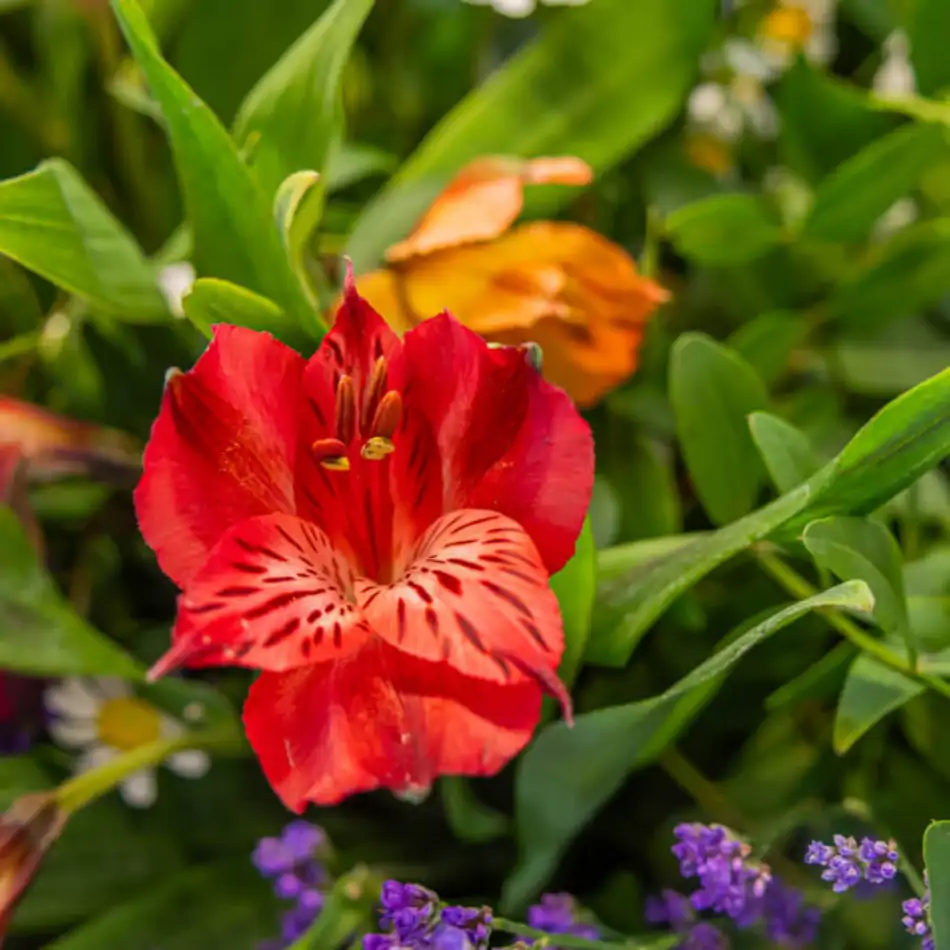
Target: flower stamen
[(373, 393), (331, 454), (385, 422), (345, 410)]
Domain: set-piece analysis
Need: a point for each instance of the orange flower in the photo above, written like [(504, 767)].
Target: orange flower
[(558, 284), (27, 830)]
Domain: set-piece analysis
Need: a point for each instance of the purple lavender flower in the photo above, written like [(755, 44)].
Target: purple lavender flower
[(787, 919), (670, 908), (416, 920), (294, 863), (729, 880), (916, 917), (704, 936), (846, 863), (557, 914)]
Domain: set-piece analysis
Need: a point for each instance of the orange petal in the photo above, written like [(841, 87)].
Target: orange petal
[(53, 445), (483, 200), (564, 286)]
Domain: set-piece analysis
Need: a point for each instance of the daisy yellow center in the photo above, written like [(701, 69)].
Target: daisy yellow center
[(127, 723), (709, 153), (788, 24)]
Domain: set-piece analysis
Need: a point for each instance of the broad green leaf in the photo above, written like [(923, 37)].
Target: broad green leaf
[(937, 862), (301, 191), (468, 817), (871, 692), (625, 617), (848, 202), (911, 273), (767, 342), (569, 773), (861, 549), (580, 89), (103, 858), (194, 909), (927, 582), (825, 121), (927, 29), (786, 451), (712, 391), (234, 234), (41, 634), (53, 223), (214, 301), (575, 585), (909, 436), (20, 775), (653, 509), (293, 117), (724, 229), (887, 368), (350, 162), (618, 561), (821, 679)]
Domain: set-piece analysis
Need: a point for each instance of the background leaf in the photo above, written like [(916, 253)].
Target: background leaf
[(937, 859)]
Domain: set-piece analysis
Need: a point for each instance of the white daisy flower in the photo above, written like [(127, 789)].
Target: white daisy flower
[(103, 717), (793, 26), (174, 281), (895, 79), (518, 9)]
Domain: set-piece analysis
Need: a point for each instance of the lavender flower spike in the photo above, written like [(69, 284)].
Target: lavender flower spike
[(847, 862)]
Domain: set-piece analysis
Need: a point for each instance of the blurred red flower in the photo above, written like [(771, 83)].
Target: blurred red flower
[(374, 529)]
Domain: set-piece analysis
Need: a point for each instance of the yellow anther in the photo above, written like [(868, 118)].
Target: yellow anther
[(377, 448)]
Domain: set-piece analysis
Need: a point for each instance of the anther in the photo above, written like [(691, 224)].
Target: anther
[(345, 410), (373, 393), (331, 454), (385, 422)]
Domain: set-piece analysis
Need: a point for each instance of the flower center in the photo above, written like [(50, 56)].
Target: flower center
[(127, 723), (373, 422), (788, 24)]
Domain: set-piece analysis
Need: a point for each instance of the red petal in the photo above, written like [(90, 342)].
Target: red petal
[(273, 596), (222, 448), (380, 718), (510, 441), (476, 596)]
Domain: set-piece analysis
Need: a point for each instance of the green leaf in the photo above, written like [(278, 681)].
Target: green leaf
[(767, 342), (712, 391), (20, 775), (860, 549), (786, 451), (569, 773), (579, 89), (887, 368), (911, 273), (625, 617), (618, 561), (575, 585), (849, 201), (927, 29), (871, 692), (40, 633), (937, 862), (293, 117), (820, 680), (468, 817), (213, 301), (233, 231), (53, 223), (195, 909), (909, 436), (654, 509), (724, 229), (350, 162), (348, 905)]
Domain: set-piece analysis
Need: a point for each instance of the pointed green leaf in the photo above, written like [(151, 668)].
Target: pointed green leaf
[(575, 585), (469, 818), (767, 342), (293, 117), (849, 201), (570, 772), (53, 223), (579, 89), (786, 451), (234, 234), (724, 229), (214, 301), (41, 634), (712, 391), (937, 862)]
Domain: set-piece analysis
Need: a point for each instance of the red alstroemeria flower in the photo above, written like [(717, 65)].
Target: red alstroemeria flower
[(374, 529)]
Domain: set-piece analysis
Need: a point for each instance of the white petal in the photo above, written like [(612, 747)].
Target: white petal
[(746, 59), (728, 123), (72, 697), (111, 687), (95, 757), (515, 8), (192, 763), (823, 45), (140, 789), (73, 732), (175, 281), (171, 727), (706, 101), (763, 117)]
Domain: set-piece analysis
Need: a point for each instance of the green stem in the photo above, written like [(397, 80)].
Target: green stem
[(788, 578), (86, 787), (541, 938)]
